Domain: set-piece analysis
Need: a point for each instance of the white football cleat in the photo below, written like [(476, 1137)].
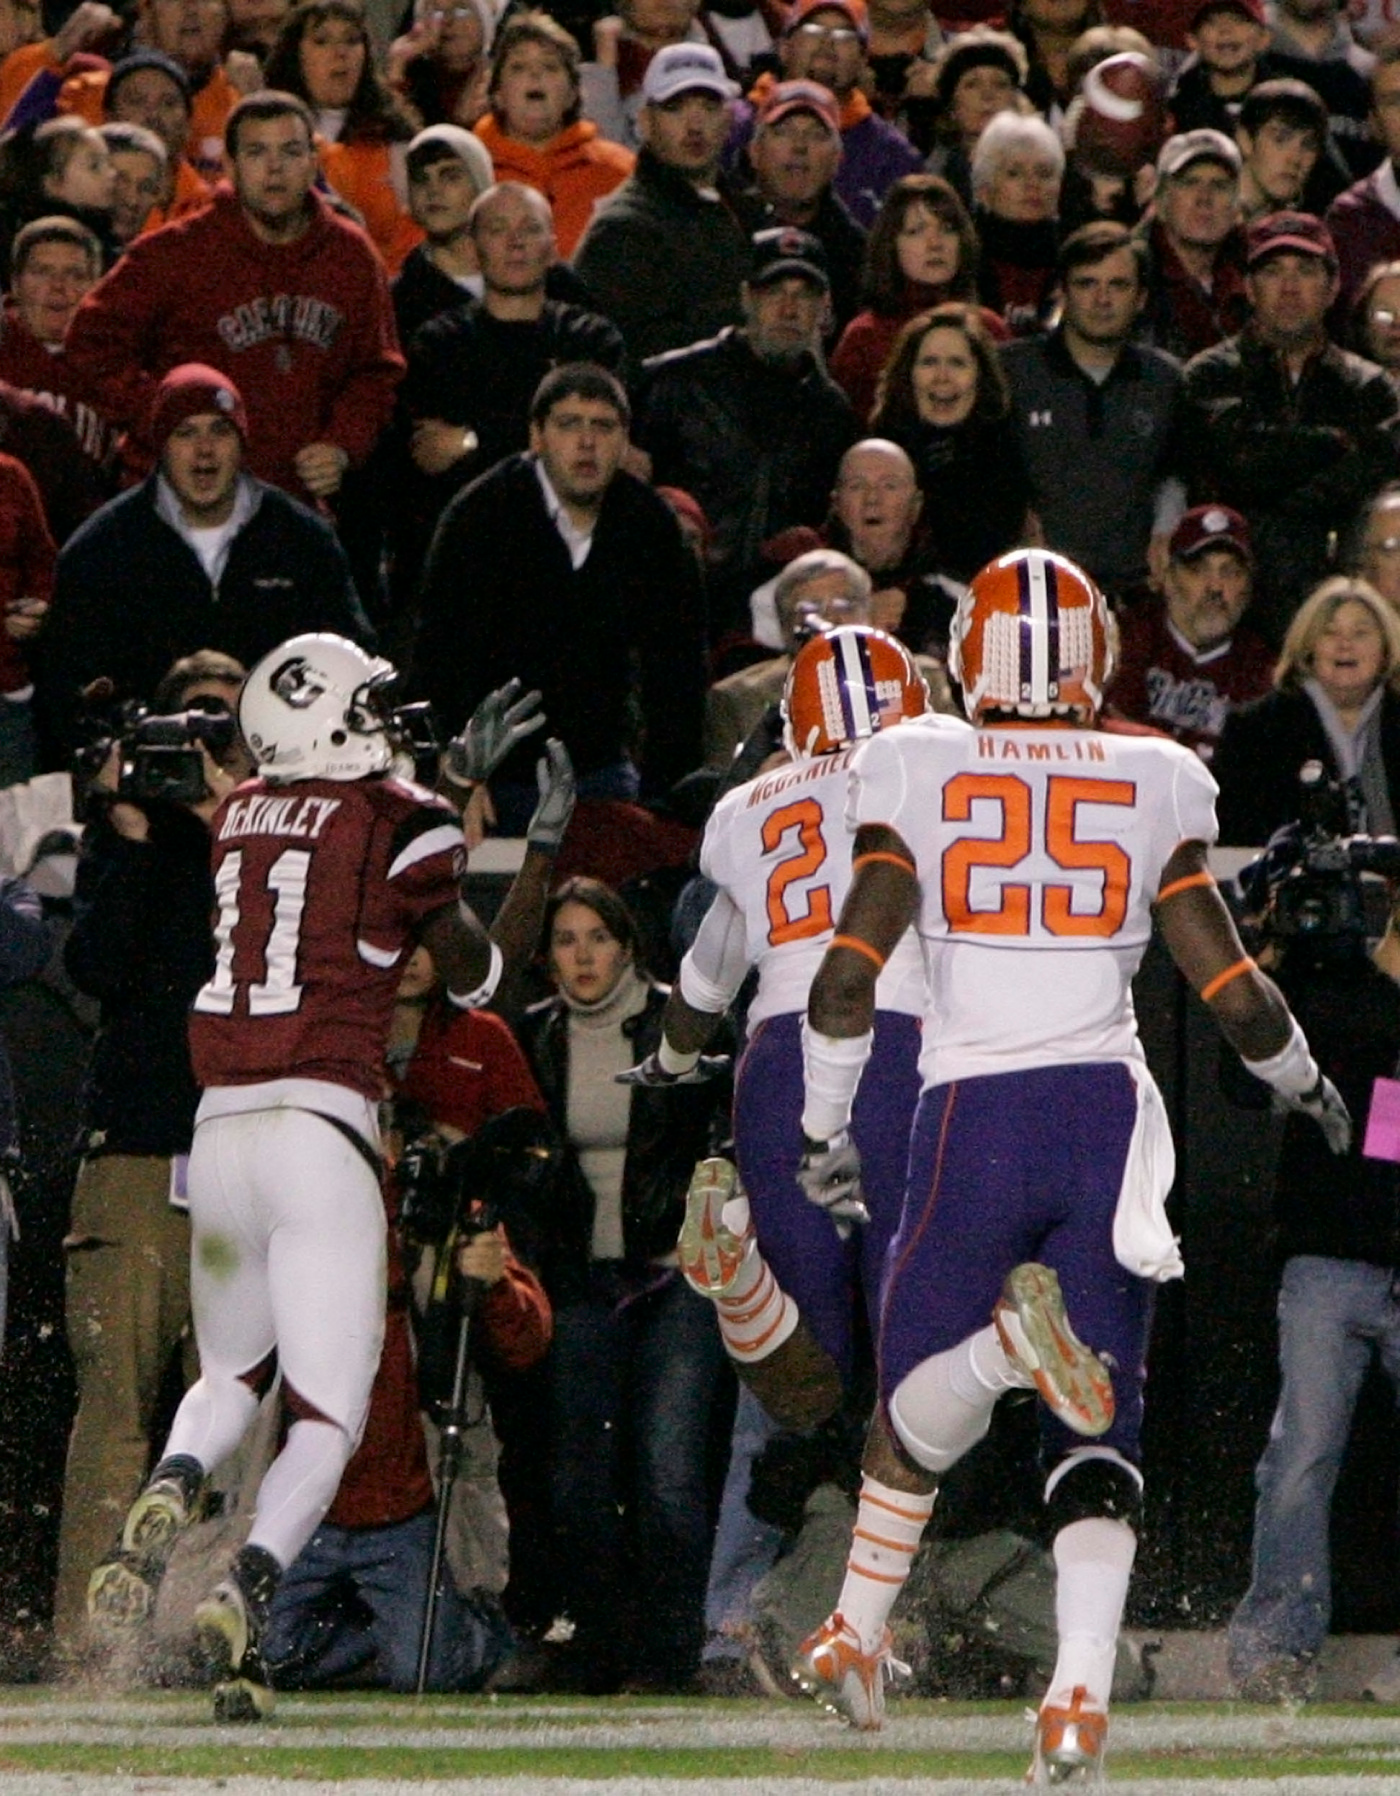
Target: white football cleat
[(717, 1234), (1069, 1743), (830, 1666), (1036, 1337)]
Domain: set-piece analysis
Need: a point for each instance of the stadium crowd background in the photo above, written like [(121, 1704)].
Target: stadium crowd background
[(868, 294)]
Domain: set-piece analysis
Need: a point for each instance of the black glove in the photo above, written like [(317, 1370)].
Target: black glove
[(499, 722)]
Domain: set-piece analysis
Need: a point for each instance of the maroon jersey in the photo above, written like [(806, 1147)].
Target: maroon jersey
[(321, 886), (1185, 692)]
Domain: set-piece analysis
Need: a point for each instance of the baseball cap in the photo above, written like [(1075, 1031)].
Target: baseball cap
[(188, 390), (680, 68), (1201, 145), (1251, 9), (783, 250), (1300, 232), (853, 9), (1210, 527), (788, 97)]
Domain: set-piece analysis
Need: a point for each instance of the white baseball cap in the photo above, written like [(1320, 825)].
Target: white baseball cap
[(681, 67)]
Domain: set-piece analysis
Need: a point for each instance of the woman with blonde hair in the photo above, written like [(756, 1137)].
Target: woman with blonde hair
[(1336, 700)]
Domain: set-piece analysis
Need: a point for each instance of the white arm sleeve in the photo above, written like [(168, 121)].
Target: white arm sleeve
[(714, 969), (486, 990)]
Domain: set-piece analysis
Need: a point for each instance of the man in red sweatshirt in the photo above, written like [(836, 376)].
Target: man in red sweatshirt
[(268, 285)]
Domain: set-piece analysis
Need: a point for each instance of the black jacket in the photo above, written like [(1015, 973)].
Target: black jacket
[(421, 291), (473, 370), (839, 235), (757, 443), (131, 596), (501, 600), (667, 1132), (1262, 747), (141, 1092), (1346, 1207), (661, 260), (1297, 459)]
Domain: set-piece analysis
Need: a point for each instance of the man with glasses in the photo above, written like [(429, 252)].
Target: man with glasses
[(1378, 552)]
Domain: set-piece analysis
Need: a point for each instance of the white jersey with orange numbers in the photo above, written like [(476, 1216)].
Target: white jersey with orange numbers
[(1039, 851), (780, 848)]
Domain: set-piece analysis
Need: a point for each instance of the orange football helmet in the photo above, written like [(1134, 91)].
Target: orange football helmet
[(846, 684), (1033, 637)]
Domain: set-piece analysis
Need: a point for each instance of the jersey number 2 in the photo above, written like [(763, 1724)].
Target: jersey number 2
[(804, 816), (277, 992), (1064, 795)]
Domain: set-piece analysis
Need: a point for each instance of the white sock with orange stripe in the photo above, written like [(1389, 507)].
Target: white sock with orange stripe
[(755, 1315), (889, 1526)]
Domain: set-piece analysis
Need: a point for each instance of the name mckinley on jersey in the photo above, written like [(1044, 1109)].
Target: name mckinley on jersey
[(269, 816)]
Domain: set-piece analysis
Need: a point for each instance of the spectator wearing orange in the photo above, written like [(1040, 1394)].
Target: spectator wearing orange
[(150, 89), (324, 55), (535, 132)]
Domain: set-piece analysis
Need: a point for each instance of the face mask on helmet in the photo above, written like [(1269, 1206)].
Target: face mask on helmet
[(847, 684), (1032, 637), (319, 707)]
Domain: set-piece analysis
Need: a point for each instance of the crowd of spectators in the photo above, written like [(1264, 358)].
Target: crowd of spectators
[(611, 354)]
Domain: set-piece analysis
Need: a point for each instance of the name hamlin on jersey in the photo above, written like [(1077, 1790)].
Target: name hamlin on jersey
[(271, 816), (1010, 748)]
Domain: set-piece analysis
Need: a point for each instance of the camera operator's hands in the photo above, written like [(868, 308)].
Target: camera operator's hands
[(554, 774), (218, 783), (1323, 1103), (24, 618), (502, 719), (128, 820), (483, 1256), (829, 1174)]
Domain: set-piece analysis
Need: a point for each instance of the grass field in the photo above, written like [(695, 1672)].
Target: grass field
[(77, 1742)]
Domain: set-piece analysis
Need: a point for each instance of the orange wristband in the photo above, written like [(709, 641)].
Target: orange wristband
[(1184, 885), (895, 860), (1213, 987), (857, 946)]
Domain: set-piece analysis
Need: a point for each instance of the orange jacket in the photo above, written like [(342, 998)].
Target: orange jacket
[(361, 173), (572, 171), (191, 192), (84, 95)]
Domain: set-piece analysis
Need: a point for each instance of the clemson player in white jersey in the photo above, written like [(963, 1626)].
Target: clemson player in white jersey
[(778, 849), (1032, 853), (327, 872)]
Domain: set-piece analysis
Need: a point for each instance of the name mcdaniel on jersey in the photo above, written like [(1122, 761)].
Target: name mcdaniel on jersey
[(321, 890), (779, 848), (1028, 854)]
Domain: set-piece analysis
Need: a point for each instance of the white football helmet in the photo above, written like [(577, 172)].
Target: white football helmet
[(318, 707)]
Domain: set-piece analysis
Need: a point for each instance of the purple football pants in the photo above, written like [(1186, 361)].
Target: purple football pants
[(1013, 1167), (821, 1273)]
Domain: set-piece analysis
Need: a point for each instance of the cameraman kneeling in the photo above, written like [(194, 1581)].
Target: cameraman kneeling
[(141, 944), (1338, 1219)]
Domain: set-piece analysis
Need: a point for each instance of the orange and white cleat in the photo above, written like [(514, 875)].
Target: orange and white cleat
[(1069, 1743), (1036, 1336), (717, 1234), (830, 1666)]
